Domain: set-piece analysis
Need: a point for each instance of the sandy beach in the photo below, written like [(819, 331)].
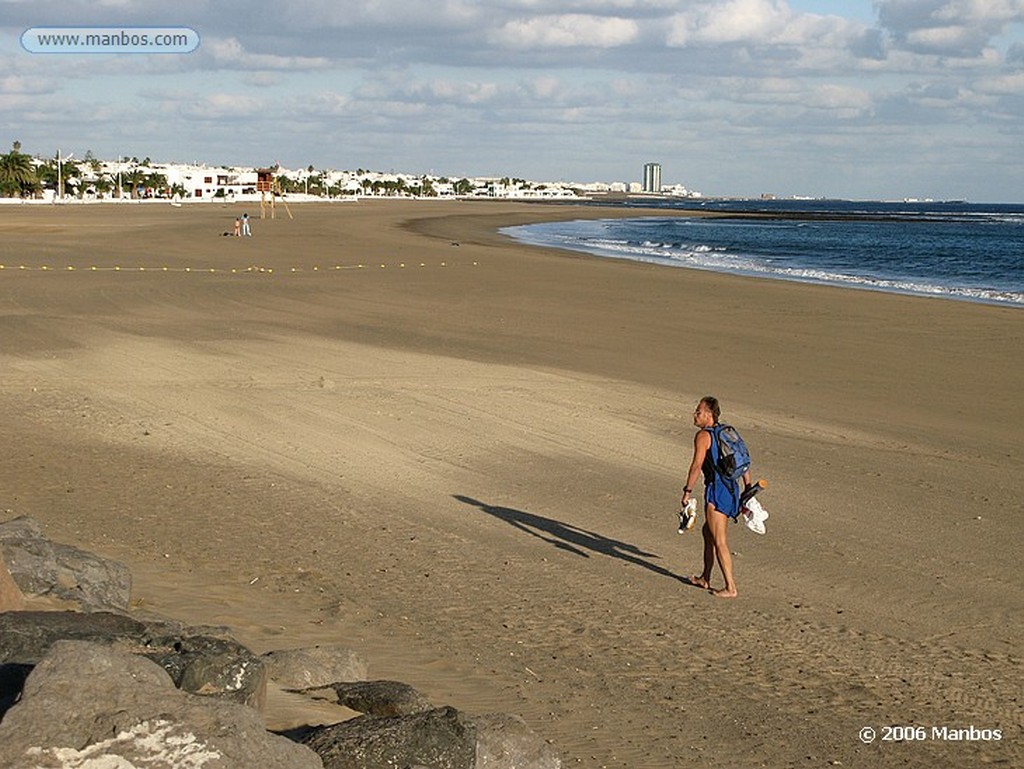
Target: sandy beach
[(385, 425)]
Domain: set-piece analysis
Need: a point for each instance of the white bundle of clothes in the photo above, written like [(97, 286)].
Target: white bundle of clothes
[(754, 515)]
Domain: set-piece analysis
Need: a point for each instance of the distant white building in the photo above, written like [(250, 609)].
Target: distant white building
[(652, 177), (680, 191), (204, 182)]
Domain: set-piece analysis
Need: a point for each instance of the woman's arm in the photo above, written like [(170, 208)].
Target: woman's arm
[(701, 445)]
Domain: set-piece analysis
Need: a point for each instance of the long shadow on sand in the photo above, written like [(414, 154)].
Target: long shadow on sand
[(571, 538)]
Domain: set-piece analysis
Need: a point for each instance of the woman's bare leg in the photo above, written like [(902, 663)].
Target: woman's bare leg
[(717, 524), (704, 579)]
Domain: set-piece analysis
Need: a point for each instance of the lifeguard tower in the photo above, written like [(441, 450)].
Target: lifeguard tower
[(266, 183)]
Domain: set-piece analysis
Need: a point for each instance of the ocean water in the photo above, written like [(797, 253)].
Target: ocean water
[(954, 250)]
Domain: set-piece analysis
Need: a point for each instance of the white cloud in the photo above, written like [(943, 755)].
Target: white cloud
[(544, 87), (566, 31), (781, 37), (389, 14), (847, 100), (943, 39), (230, 52), (1003, 85), (221, 106), (326, 103), (456, 92), (24, 85), (264, 79), (732, 21), (960, 28), (744, 21)]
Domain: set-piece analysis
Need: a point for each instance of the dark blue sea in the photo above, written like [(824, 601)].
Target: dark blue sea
[(955, 250)]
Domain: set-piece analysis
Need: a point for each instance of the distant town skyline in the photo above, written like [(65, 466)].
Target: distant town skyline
[(886, 99), (96, 178)]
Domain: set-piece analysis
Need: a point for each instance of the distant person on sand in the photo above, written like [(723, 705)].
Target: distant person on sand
[(238, 227), (245, 225), (721, 499)]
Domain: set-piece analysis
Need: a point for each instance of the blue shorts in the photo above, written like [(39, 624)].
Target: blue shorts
[(724, 495)]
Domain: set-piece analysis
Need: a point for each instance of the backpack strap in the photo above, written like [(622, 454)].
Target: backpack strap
[(715, 451), (716, 442)]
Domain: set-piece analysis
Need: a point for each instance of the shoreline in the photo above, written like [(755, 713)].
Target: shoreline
[(468, 472), (760, 265)]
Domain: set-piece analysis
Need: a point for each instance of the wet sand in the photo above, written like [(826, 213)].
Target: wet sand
[(464, 458)]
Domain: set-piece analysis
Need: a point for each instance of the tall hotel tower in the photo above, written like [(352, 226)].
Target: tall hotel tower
[(652, 177)]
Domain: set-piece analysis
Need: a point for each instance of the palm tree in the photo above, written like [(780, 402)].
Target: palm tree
[(17, 174), (156, 182), (71, 169), (286, 184), (104, 186), (133, 180), (46, 174)]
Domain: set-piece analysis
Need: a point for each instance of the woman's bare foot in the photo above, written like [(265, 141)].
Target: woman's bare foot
[(698, 581), (724, 593)]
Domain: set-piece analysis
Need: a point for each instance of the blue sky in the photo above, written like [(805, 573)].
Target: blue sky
[(884, 99)]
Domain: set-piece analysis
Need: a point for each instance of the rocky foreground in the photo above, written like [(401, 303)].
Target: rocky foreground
[(98, 686)]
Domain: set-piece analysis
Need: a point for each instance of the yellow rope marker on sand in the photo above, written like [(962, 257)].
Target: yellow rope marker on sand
[(210, 270)]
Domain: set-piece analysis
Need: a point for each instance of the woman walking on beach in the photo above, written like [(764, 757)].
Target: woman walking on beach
[(721, 499)]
